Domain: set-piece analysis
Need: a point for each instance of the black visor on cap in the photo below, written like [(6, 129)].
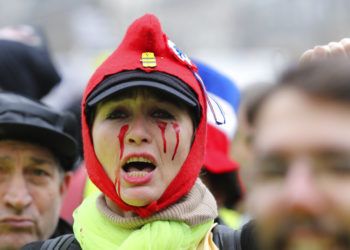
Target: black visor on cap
[(137, 78)]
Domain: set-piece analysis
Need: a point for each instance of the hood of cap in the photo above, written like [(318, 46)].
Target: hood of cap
[(146, 35), (223, 92)]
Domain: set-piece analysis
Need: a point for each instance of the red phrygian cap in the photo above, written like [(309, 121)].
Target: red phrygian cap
[(146, 35)]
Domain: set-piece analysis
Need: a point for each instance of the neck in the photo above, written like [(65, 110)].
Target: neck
[(112, 206), (195, 208)]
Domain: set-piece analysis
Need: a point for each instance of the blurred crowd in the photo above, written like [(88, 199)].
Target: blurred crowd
[(164, 151)]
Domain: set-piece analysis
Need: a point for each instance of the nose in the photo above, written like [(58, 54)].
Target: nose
[(17, 196), (301, 190), (138, 131)]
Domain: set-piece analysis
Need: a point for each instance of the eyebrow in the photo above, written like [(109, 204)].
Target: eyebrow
[(40, 161)]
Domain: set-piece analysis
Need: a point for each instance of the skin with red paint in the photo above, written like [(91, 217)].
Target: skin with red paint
[(162, 126), (121, 137), (145, 140), (176, 128)]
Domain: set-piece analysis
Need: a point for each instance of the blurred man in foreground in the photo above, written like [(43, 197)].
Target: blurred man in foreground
[(37, 151), (302, 147)]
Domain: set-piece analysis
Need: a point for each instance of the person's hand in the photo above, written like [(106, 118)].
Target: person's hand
[(331, 50)]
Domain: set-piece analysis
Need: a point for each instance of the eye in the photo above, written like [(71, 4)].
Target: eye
[(38, 176), (272, 168), (335, 165), (162, 114), (119, 113), (4, 170), (38, 172)]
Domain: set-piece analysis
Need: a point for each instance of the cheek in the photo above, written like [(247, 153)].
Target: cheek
[(174, 147), (47, 201), (338, 201), (177, 140), (106, 147), (264, 201), (265, 205), (184, 141)]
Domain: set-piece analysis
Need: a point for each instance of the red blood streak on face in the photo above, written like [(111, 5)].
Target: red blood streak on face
[(121, 136), (177, 132), (162, 126)]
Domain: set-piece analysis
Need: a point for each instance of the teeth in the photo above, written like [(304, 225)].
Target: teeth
[(137, 174), (138, 159)]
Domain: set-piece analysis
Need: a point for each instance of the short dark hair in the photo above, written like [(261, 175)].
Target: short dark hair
[(325, 79), (251, 99), (328, 79)]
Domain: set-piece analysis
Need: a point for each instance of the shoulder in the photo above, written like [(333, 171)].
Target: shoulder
[(63, 227), (227, 238), (64, 242)]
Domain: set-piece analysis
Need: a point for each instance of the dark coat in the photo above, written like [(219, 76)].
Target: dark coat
[(62, 228)]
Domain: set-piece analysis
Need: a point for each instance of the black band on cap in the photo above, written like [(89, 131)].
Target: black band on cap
[(138, 78), (135, 78)]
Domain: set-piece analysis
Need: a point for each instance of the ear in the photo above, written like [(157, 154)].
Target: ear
[(65, 183)]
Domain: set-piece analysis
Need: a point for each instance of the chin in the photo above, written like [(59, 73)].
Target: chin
[(136, 203), (311, 242), (139, 196), (16, 242)]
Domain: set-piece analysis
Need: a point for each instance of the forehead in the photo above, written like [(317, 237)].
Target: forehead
[(140, 95), (14, 148), (292, 121), (143, 92)]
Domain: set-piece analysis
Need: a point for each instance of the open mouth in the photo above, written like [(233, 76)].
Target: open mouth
[(137, 164), (138, 170)]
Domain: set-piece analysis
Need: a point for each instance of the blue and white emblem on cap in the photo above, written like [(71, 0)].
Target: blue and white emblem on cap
[(181, 55)]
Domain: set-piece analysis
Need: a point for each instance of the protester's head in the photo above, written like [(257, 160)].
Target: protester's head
[(26, 67), (220, 172), (144, 122), (74, 107), (302, 148), (241, 146), (37, 151)]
